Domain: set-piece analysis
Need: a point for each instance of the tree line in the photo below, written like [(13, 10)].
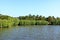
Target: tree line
[(8, 21), (38, 20)]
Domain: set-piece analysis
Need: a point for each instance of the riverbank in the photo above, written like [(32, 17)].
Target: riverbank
[(8, 21)]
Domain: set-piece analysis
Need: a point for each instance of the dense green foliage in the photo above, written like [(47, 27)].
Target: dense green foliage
[(33, 22), (8, 21), (39, 20)]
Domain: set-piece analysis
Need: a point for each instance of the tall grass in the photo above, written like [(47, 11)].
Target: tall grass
[(33, 22)]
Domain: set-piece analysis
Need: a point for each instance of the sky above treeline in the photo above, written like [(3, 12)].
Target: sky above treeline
[(34, 7)]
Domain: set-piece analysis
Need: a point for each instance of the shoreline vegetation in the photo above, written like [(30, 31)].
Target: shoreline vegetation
[(8, 21)]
